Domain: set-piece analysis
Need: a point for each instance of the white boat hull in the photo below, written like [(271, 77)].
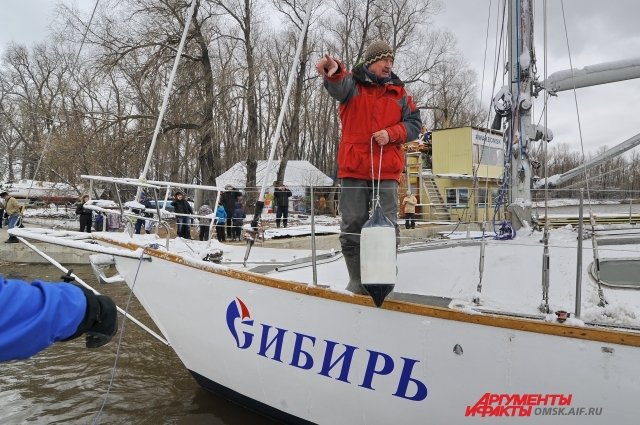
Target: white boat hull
[(410, 364)]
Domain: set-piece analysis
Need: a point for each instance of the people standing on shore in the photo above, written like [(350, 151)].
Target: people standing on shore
[(36, 315), (409, 203), (204, 209), (238, 221), (1, 212), (228, 201), (86, 215), (221, 223), (12, 210), (141, 222), (377, 116), (144, 200), (281, 197), (181, 206)]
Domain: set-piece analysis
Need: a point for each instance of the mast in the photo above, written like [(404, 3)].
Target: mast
[(521, 76)]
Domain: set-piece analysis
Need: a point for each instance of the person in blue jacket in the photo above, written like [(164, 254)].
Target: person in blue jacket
[(34, 316), (221, 219)]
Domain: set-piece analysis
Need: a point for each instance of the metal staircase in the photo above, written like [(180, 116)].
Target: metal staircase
[(432, 206), (436, 208)]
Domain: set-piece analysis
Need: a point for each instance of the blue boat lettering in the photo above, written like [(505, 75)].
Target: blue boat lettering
[(330, 359)]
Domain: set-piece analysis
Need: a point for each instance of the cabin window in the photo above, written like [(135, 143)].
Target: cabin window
[(488, 155), (457, 197), (482, 197), (619, 272)]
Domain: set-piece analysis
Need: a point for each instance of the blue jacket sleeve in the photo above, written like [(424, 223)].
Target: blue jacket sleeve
[(34, 316)]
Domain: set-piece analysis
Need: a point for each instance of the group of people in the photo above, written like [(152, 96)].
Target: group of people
[(228, 221), (230, 215)]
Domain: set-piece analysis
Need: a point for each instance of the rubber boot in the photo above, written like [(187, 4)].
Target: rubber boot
[(353, 266)]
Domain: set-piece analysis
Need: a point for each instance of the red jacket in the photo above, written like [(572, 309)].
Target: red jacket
[(367, 107)]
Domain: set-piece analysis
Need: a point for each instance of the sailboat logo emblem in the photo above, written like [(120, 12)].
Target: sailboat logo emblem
[(238, 310)]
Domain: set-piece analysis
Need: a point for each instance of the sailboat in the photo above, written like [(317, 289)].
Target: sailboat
[(276, 331), (43, 190)]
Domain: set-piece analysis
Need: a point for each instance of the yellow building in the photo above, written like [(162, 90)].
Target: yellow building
[(448, 192)]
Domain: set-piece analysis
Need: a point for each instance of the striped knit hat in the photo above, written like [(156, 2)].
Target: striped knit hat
[(377, 50)]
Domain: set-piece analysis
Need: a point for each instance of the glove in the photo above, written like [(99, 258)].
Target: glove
[(100, 321)]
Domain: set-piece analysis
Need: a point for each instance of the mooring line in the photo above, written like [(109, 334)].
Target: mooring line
[(114, 368)]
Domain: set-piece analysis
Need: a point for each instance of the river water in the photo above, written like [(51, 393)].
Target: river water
[(67, 383)]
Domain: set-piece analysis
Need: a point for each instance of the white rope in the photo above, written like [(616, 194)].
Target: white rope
[(376, 195)]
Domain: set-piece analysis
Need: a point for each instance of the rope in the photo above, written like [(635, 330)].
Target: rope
[(114, 368), (376, 196)]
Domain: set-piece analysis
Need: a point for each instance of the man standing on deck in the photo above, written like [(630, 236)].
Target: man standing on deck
[(12, 209), (378, 116)]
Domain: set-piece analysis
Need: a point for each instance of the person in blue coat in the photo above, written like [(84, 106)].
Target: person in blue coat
[(34, 316), (221, 219)]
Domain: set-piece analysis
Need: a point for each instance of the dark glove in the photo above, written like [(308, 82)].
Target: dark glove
[(100, 321)]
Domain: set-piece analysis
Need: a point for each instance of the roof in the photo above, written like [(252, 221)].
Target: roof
[(298, 173)]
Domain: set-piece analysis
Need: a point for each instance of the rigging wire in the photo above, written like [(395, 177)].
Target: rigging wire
[(165, 98), (594, 242), (59, 108), (476, 297), (276, 135), (544, 307)]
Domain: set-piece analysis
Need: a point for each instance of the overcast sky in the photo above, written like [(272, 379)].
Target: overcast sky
[(599, 31)]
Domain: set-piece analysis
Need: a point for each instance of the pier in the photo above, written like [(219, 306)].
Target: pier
[(20, 253)]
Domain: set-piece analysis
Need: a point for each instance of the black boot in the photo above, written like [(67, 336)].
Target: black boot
[(352, 260), (12, 239)]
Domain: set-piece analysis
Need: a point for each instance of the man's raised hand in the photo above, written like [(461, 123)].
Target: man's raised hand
[(327, 66)]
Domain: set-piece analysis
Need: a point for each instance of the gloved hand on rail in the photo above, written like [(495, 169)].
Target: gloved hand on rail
[(100, 322)]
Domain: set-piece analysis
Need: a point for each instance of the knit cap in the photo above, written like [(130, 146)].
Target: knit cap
[(377, 50)]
